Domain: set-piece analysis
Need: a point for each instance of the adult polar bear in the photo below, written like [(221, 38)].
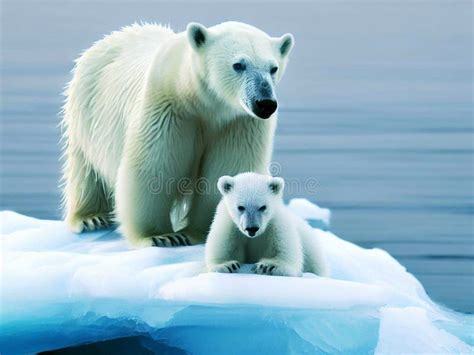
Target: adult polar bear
[(148, 108)]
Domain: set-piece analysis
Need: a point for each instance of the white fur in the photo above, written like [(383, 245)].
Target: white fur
[(284, 245), (148, 106)]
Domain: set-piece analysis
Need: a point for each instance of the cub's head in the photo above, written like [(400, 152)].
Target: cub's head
[(251, 200), (241, 65)]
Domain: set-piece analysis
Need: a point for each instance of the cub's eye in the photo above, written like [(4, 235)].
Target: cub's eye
[(273, 70), (263, 208), (241, 208), (238, 67)]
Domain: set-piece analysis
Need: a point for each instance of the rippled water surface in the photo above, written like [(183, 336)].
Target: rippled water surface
[(376, 105)]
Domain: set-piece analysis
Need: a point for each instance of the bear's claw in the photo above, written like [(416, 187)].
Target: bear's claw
[(229, 267), (262, 268), (170, 240), (93, 223)]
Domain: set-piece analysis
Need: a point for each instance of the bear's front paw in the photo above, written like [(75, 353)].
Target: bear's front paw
[(89, 223), (227, 267), (170, 240), (264, 268), (269, 267)]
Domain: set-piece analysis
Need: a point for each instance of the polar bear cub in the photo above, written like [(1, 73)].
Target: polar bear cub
[(253, 225)]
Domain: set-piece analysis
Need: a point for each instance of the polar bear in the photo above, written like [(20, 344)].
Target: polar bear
[(152, 118), (252, 225)]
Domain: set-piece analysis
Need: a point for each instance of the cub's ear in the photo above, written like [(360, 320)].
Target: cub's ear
[(197, 34), (285, 44), (225, 184), (276, 185)]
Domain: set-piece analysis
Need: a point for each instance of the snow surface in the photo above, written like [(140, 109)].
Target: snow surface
[(61, 290)]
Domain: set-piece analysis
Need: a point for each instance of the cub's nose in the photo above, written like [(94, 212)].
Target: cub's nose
[(265, 108), (252, 230)]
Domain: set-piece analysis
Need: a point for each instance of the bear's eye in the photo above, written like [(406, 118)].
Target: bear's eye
[(241, 208), (263, 208), (238, 67), (273, 70)]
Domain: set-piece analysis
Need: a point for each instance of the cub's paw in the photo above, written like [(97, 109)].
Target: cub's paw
[(270, 267), (170, 240), (265, 268), (90, 223), (228, 267)]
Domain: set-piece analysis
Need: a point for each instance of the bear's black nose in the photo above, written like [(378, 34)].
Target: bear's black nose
[(265, 108), (251, 230)]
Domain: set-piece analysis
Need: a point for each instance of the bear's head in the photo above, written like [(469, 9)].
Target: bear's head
[(240, 65), (251, 200)]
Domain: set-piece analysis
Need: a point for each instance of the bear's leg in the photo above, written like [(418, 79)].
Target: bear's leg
[(150, 177), (143, 205), (86, 197), (224, 247), (284, 253)]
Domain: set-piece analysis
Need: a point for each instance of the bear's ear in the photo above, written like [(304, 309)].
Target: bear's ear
[(276, 185), (285, 44), (197, 35), (225, 184)]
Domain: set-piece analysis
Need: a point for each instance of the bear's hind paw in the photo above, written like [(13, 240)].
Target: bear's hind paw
[(170, 240)]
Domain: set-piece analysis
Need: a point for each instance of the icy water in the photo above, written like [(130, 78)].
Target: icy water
[(376, 105)]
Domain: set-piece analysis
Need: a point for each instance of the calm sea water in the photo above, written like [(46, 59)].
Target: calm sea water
[(376, 105)]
